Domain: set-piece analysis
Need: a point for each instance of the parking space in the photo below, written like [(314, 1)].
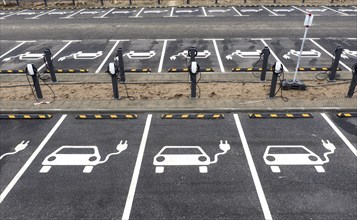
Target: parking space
[(58, 13), (221, 11), (288, 11), (346, 10), (306, 170), (253, 11), (121, 13), (83, 171), (318, 10), (155, 12), (186, 166), (19, 139)]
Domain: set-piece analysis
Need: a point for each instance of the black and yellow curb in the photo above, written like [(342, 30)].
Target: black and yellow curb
[(69, 71), (106, 116), (187, 6), (12, 71), (127, 7), (346, 115), (134, 70), (177, 70), (316, 69), (251, 69), (25, 116), (158, 6), (192, 116), (280, 115)]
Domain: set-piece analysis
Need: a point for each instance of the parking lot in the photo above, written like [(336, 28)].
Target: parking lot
[(160, 55), (238, 166)]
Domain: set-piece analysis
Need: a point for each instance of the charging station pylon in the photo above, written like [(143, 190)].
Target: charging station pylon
[(193, 70), (265, 53), (352, 88), (48, 62), (31, 70)]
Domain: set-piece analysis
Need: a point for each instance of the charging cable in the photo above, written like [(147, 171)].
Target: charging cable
[(225, 147), (21, 146), (122, 146)]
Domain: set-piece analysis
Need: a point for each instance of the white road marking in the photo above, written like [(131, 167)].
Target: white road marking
[(22, 42), (240, 14), (274, 55), (106, 13), (45, 13), (141, 10), (343, 64), (134, 180), (30, 160), (204, 11), (351, 38), (13, 14), (70, 16), (343, 137), (162, 56), (335, 11), (253, 170), (218, 55), (300, 9), (172, 11), (107, 57), (271, 11), (69, 42)]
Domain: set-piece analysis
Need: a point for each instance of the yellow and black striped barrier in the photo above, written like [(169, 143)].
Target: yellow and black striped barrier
[(346, 115), (106, 116), (69, 71), (25, 116), (192, 116), (134, 70), (12, 71), (280, 115), (184, 70)]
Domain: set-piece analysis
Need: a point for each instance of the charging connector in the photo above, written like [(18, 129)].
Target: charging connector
[(21, 146)]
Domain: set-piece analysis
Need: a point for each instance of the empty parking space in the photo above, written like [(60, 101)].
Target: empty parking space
[(254, 11), (345, 10), (306, 170), (288, 11), (83, 171), (186, 164)]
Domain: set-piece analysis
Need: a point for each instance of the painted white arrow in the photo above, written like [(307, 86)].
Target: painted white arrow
[(311, 53), (347, 10), (246, 55), (283, 10), (82, 56), (200, 55), (26, 56), (187, 11), (218, 10), (140, 55), (155, 11), (251, 10), (316, 10)]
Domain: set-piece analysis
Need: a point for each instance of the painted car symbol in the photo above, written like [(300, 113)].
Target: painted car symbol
[(311, 53), (123, 12), (316, 9), (186, 11), (186, 156), (251, 10), (218, 10), (347, 53), (155, 11), (247, 54), (200, 55), (276, 155), (283, 10), (140, 55), (26, 56), (82, 56)]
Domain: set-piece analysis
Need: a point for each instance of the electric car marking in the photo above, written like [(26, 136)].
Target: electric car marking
[(251, 10), (123, 12), (155, 11), (200, 55), (186, 156), (59, 13), (82, 56), (218, 10), (27, 13), (311, 53), (248, 54), (26, 56), (315, 10), (89, 12), (347, 10), (88, 157), (186, 11), (303, 157), (140, 55), (283, 10), (347, 53), (21, 146)]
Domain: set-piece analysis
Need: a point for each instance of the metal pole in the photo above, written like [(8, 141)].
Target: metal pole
[(192, 53), (73, 1), (48, 62), (266, 53), (334, 66), (158, 2), (120, 64), (45, 2), (298, 62), (188, 2), (216, 2), (115, 86), (273, 84), (18, 2), (101, 2), (352, 88), (129, 2), (36, 83)]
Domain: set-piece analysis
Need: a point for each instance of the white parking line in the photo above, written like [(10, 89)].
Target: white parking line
[(12, 14), (22, 42), (172, 11), (106, 13), (300, 9), (271, 11), (335, 11), (274, 55), (162, 56), (253, 170), (240, 14), (343, 64), (70, 16), (69, 42), (137, 15), (204, 11), (134, 180), (36, 17), (107, 57), (343, 137), (218, 55), (30, 160)]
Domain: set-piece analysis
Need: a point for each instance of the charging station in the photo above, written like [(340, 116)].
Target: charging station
[(352, 88), (277, 71), (194, 69), (49, 64), (32, 71)]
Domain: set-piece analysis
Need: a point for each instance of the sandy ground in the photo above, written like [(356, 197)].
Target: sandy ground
[(315, 91)]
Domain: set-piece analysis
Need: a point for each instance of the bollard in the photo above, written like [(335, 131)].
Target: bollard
[(113, 70), (130, 2), (334, 66), (45, 2), (266, 53), (158, 2), (32, 71), (277, 69), (188, 2), (49, 64), (101, 2), (73, 2), (194, 69), (352, 88), (120, 64), (18, 2)]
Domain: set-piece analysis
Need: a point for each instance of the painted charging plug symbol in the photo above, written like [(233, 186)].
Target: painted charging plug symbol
[(87, 156), (186, 156), (21, 146)]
